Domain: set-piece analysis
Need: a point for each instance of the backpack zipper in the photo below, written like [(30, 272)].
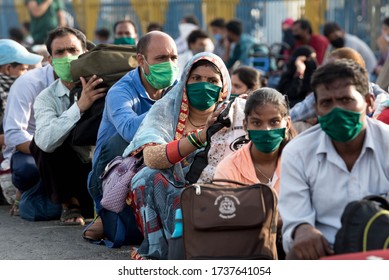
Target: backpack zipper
[(197, 189)]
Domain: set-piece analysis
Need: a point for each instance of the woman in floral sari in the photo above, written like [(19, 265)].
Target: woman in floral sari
[(173, 131)]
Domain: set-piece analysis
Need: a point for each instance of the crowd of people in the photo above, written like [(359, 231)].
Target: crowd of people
[(316, 138)]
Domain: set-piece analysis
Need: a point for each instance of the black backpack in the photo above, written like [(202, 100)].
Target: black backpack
[(225, 125), (365, 226), (109, 62)]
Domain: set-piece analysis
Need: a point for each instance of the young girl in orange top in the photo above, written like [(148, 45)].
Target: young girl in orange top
[(269, 128), (268, 125)]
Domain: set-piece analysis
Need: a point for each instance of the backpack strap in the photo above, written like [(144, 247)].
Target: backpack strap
[(201, 159), (75, 92), (379, 199)]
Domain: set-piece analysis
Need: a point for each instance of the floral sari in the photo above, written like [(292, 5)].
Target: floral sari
[(155, 193)]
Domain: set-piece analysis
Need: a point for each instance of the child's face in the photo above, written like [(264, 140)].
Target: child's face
[(266, 117)]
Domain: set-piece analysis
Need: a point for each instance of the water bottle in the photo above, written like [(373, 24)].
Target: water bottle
[(178, 224)]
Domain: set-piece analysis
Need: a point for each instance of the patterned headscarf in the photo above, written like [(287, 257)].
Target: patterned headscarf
[(167, 118)]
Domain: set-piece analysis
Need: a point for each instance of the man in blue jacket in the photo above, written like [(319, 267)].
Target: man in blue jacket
[(126, 105)]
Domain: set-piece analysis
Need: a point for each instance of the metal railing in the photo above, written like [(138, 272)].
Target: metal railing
[(261, 18)]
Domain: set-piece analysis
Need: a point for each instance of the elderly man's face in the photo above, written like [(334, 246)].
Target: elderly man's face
[(160, 49)]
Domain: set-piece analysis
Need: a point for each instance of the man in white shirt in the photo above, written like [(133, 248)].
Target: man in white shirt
[(342, 159), (15, 60), (19, 127), (64, 168), (19, 121)]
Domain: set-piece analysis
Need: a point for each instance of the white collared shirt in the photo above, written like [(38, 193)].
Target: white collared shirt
[(316, 185), (19, 121), (54, 120)]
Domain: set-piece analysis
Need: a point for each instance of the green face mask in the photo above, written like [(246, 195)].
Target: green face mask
[(162, 75), (62, 67), (267, 141), (202, 95), (341, 125), (124, 41), (233, 96)]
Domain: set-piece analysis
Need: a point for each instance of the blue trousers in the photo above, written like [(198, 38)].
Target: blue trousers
[(25, 174)]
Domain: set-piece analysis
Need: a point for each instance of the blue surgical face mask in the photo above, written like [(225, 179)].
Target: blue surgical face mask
[(218, 37)]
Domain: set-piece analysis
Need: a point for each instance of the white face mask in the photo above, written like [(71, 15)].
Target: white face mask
[(210, 47), (186, 29)]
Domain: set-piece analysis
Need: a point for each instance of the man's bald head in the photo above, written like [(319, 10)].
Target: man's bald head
[(157, 37)]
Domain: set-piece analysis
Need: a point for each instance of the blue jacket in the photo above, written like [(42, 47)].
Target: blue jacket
[(241, 50), (126, 105)]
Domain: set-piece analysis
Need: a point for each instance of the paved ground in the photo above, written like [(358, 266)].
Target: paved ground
[(24, 240)]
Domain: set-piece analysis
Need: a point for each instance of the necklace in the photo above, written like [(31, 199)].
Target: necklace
[(194, 124), (267, 178)]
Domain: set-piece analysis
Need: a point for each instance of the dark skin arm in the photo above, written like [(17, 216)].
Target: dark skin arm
[(309, 244), (90, 93), (24, 147), (150, 153)]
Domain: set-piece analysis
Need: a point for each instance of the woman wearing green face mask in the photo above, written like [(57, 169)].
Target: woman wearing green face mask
[(171, 134), (268, 125)]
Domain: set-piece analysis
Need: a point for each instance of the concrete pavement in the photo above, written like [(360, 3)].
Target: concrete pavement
[(25, 240)]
